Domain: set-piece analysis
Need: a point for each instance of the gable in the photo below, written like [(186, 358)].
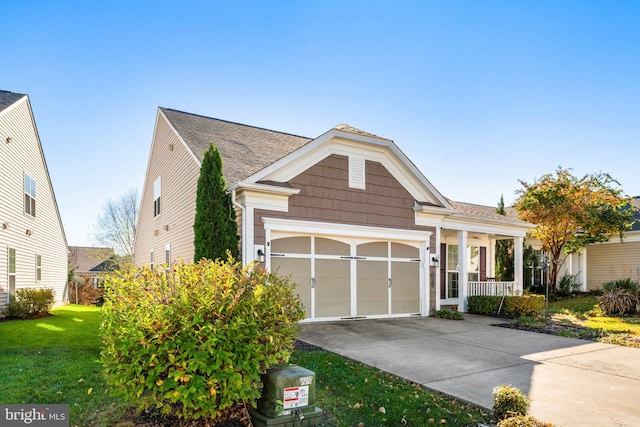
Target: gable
[(358, 148), (37, 233), (325, 195)]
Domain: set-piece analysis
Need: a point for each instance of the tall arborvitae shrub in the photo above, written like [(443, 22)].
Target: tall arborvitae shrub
[(215, 228)]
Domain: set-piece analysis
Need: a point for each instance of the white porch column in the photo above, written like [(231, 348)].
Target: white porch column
[(437, 267), (518, 270), (425, 279), (462, 270)]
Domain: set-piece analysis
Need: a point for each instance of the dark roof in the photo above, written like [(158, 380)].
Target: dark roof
[(245, 150), (8, 98), (92, 260)]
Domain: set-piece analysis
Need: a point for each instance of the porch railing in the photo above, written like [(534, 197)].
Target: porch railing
[(493, 288)]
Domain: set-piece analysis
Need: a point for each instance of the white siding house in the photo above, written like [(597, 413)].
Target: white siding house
[(33, 246)]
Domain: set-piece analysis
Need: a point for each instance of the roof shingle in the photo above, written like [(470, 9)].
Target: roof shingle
[(8, 98), (245, 150)]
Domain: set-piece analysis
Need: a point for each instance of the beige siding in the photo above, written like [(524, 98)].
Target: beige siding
[(24, 154), (179, 173), (325, 196), (612, 261)]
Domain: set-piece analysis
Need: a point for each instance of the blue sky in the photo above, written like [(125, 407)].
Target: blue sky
[(478, 94)]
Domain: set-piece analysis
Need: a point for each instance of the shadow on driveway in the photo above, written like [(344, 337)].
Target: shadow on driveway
[(571, 382)]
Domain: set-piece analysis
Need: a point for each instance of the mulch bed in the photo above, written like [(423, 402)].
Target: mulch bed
[(557, 328), (238, 416)]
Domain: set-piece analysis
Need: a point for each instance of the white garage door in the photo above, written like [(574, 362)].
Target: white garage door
[(350, 278)]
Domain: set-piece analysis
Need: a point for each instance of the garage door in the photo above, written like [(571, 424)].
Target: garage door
[(342, 278)]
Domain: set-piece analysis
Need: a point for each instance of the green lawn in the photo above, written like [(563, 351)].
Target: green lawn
[(353, 393), (582, 311), (55, 360)]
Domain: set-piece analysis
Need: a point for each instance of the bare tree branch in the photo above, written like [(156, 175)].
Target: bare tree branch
[(116, 226)]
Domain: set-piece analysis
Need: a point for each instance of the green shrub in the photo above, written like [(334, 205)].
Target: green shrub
[(194, 340), (30, 302), (484, 304), (523, 421), (509, 401), (448, 314), (618, 302), (569, 285), (512, 306), (524, 305), (625, 284)]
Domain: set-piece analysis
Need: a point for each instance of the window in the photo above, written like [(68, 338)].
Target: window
[(473, 263), (452, 271), (156, 197), (167, 254), (12, 273), (29, 195), (38, 268), (151, 260)]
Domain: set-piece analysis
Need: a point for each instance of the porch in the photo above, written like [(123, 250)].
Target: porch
[(492, 287)]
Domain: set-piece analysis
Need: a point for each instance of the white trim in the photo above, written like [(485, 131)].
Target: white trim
[(260, 200), (347, 230)]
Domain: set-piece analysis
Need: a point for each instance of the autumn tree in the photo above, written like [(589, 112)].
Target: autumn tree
[(571, 213), (215, 229), (504, 252), (116, 226)]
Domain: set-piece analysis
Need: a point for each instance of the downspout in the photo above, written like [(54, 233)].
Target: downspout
[(244, 227)]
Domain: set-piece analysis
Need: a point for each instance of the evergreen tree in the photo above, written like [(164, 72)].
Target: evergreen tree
[(504, 252), (215, 228)]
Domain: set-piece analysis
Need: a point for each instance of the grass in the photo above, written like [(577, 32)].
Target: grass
[(354, 394), (55, 360), (583, 319)]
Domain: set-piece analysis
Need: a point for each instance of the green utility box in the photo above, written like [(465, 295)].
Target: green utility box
[(288, 399)]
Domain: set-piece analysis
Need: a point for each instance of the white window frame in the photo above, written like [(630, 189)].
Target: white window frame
[(29, 195), (11, 272), (38, 268), (473, 275), (167, 254), (151, 260), (157, 192), (452, 260)]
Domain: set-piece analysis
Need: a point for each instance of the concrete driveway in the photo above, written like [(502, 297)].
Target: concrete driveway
[(571, 382)]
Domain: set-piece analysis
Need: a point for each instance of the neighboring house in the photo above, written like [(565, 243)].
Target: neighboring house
[(360, 229), (604, 262), (33, 246), (92, 262)]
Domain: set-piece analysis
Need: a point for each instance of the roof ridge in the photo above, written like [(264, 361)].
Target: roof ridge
[(234, 123)]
